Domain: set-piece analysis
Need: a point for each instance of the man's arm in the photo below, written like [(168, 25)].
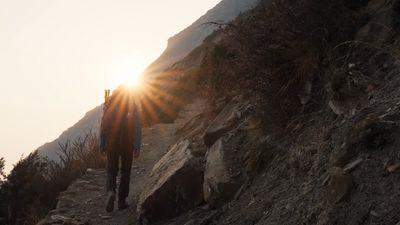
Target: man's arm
[(103, 141)]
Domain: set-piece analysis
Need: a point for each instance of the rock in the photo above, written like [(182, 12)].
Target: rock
[(174, 186), (82, 182), (106, 217), (197, 148), (336, 107), (339, 185), (349, 167), (374, 213), (251, 123), (346, 99), (305, 93), (326, 180), (219, 186), (190, 222), (74, 222), (197, 130), (192, 126), (224, 122), (393, 168), (59, 218), (43, 222), (323, 218)]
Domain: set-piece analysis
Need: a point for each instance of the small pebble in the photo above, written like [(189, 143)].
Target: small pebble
[(105, 217), (374, 213)]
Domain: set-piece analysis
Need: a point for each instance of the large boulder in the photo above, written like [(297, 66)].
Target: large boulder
[(224, 122), (174, 186), (219, 185)]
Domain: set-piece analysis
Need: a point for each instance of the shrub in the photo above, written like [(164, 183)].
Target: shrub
[(32, 187), (277, 49)]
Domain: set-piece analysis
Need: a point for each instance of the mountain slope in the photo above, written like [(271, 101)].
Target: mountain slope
[(179, 46), (311, 135), (91, 121), (188, 39)]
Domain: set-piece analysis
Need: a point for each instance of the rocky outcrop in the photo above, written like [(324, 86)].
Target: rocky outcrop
[(225, 121), (174, 186), (219, 186), (228, 140), (178, 182)]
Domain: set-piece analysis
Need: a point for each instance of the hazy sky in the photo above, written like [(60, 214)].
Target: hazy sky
[(57, 57)]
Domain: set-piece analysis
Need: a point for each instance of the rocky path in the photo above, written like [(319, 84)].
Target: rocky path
[(83, 202)]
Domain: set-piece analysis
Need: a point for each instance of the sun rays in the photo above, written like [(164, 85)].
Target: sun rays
[(154, 95)]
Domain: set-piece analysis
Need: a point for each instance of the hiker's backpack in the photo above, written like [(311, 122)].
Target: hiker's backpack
[(118, 125)]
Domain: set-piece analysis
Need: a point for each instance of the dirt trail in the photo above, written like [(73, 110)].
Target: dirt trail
[(83, 201)]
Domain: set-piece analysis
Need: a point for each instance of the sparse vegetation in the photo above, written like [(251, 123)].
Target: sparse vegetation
[(32, 187), (281, 51)]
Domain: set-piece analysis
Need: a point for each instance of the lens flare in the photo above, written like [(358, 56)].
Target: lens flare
[(134, 81)]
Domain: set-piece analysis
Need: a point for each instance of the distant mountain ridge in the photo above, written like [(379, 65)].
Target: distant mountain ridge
[(91, 121), (185, 41), (179, 46)]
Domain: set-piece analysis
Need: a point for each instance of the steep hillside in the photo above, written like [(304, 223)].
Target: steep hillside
[(185, 41), (301, 123), (90, 122), (309, 131)]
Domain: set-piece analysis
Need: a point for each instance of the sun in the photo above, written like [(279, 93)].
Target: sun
[(132, 80)]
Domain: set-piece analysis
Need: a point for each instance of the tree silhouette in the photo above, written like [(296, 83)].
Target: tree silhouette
[(2, 173)]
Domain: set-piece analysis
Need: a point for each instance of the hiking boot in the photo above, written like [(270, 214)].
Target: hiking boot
[(122, 204), (110, 201)]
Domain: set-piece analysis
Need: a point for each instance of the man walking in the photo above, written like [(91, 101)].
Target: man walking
[(120, 140)]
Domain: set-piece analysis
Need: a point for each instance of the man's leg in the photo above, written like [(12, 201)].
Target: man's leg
[(112, 171), (126, 164)]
